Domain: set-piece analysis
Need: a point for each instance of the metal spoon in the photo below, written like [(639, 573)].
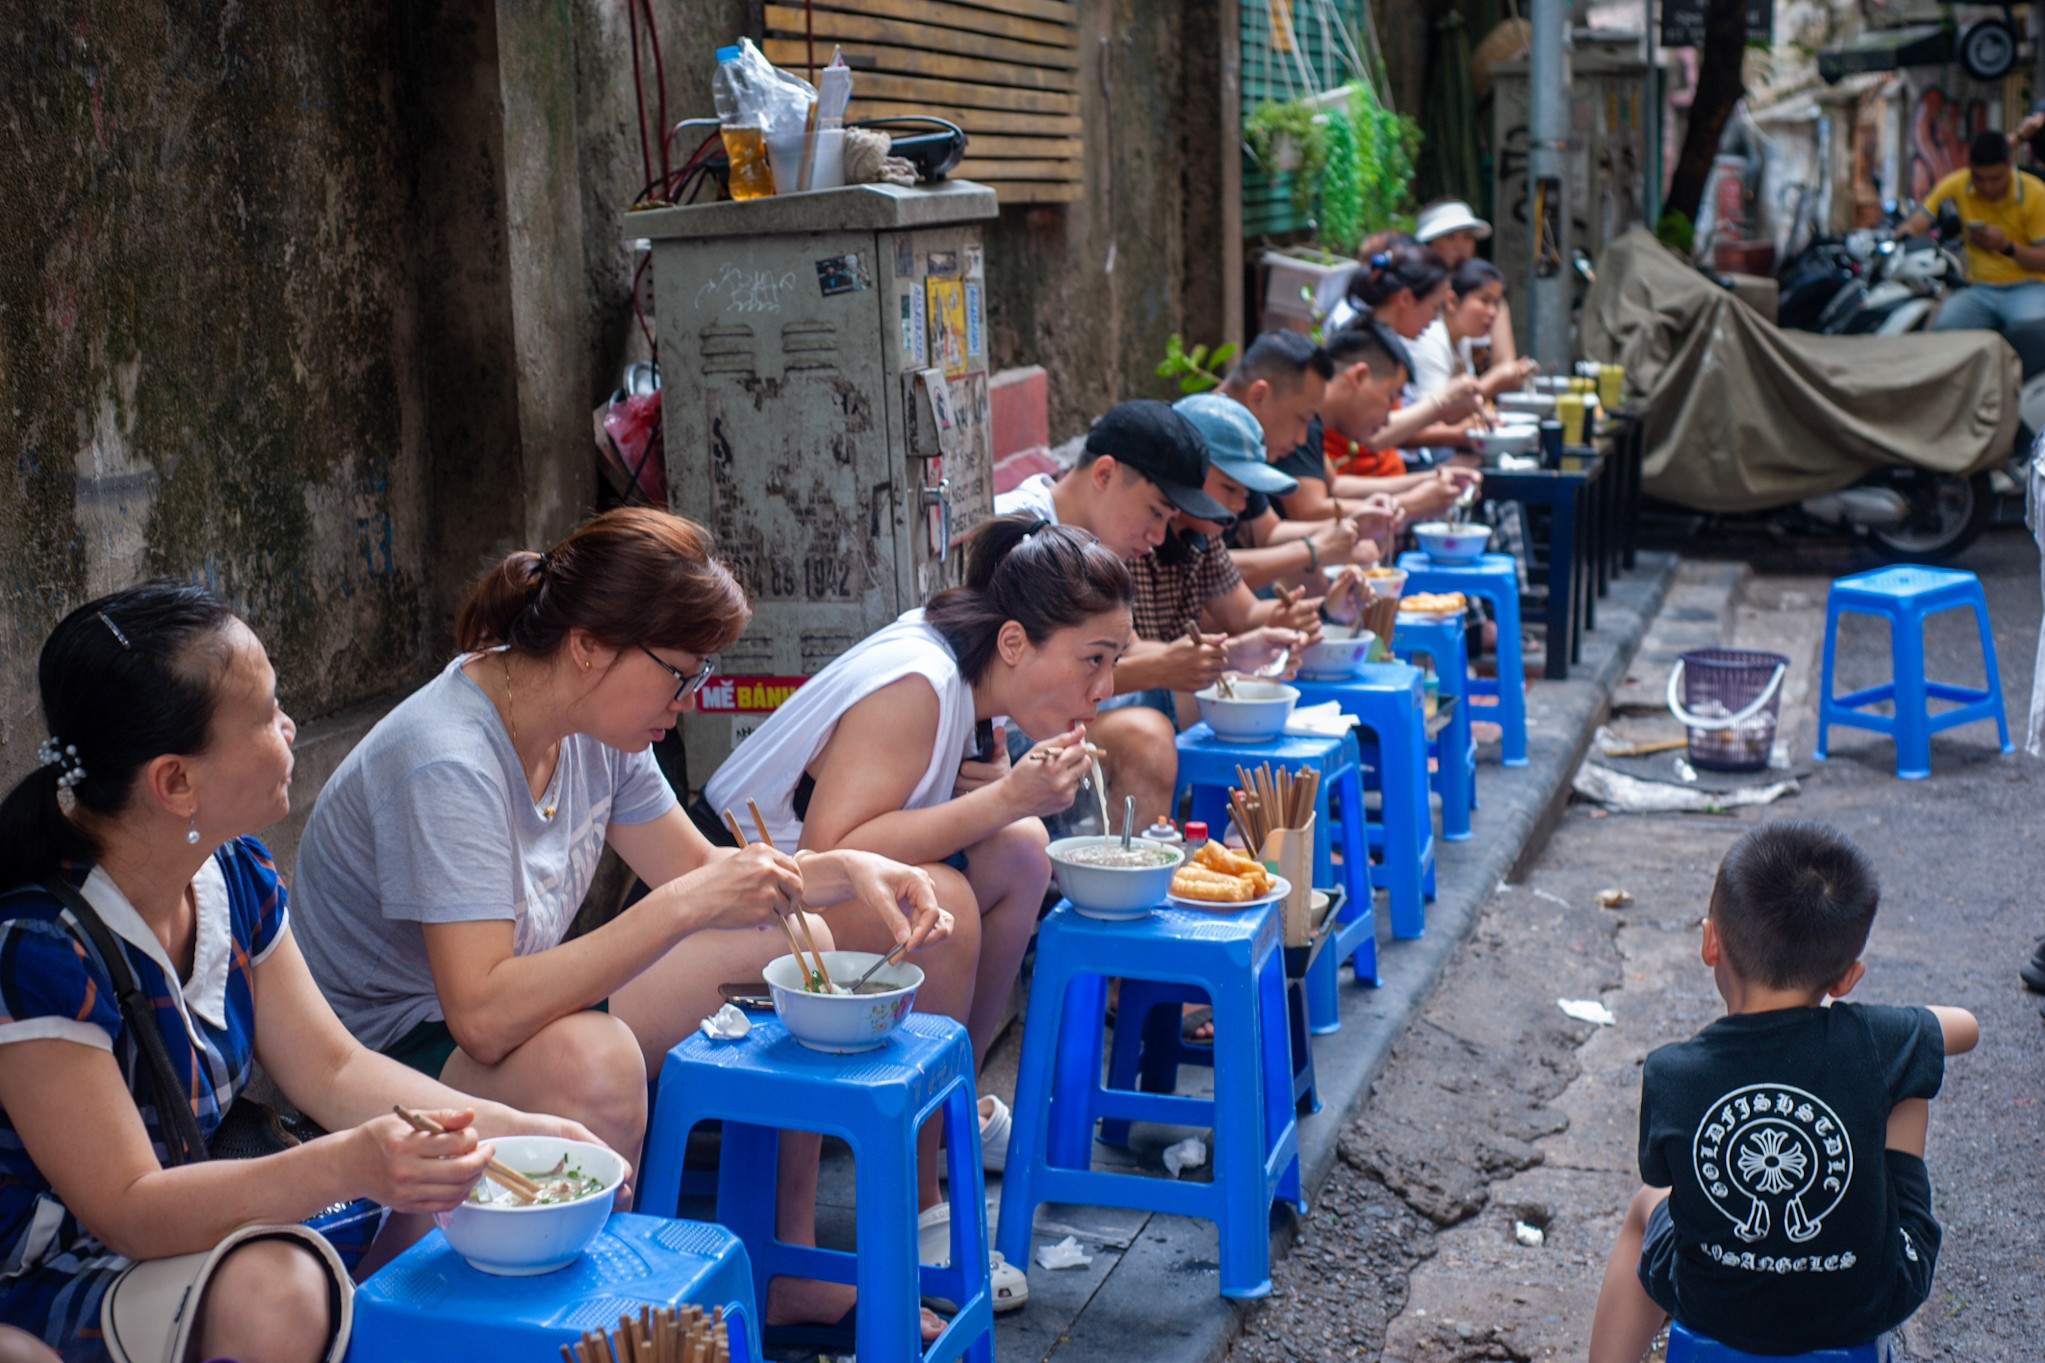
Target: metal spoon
[(1460, 511), (1128, 819), (888, 959)]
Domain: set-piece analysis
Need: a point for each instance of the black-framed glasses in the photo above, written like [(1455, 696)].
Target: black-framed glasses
[(686, 683)]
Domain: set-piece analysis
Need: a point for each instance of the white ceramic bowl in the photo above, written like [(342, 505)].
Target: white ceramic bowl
[(842, 1023), (1337, 654), (1256, 712), (1535, 404), (1505, 440), (1112, 891), (519, 1240), (1385, 581), (1452, 544)]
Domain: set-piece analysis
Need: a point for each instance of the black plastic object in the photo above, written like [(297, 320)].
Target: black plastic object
[(933, 146)]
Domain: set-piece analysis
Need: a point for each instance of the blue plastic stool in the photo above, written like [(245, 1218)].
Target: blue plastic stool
[(1386, 700), (1496, 578), (1906, 595), (1235, 958), (1453, 750), (427, 1305), (876, 1101), (1208, 765), (1686, 1347)]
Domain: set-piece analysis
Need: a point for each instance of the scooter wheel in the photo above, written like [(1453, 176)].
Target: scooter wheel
[(1947, 513)]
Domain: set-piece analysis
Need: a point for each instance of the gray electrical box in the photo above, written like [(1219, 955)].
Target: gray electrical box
[(824, 404)]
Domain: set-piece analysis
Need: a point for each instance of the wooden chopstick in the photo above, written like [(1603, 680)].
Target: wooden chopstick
[(794, 947), (801, 923), (503, 1173)]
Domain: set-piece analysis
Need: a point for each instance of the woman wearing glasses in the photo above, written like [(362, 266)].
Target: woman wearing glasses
[(449, 853)]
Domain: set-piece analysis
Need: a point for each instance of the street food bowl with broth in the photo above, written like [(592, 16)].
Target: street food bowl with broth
[(1104, 881), (1445, 543), (496, 1233), (1337, 654), (1256, 712), (841, 1022)]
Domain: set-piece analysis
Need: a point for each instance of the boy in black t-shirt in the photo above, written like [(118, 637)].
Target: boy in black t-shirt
[(1787, 1205)]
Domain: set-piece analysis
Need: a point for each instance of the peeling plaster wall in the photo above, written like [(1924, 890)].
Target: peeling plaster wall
[(208, 358)]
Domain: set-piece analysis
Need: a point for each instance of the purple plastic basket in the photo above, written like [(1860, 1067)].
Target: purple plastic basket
[(1731, 698)]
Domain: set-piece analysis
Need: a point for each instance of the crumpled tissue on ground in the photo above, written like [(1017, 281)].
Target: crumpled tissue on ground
[(1065, 1254), (1189, 1153), (1587, 1010), (1528, 1235), (727, 1024)]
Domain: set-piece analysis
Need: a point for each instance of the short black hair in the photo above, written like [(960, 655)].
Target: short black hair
[(1370, 342), (1472, 275), (1281, 359), (1793, 902), (1989, 148)]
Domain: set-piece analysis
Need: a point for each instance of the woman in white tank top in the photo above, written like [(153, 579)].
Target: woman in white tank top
[(877, 753)]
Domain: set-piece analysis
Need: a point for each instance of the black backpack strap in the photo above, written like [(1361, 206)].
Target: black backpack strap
[(182, 1142)]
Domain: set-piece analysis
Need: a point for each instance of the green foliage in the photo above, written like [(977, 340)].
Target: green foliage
[(1271, 123), (1341, 220), (1677, 232), (1198, 369), (1386, 147)]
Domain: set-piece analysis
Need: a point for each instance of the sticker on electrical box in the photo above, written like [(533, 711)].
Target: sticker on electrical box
[(944, 264), (905, 257), (842, 274), (976, 263), (915, 348), (947, 325), (976, 343)]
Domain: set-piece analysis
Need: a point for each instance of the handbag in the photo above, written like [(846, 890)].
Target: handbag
[(249, 1129)]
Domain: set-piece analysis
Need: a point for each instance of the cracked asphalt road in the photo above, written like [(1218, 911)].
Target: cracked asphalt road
[(1495, 1108)]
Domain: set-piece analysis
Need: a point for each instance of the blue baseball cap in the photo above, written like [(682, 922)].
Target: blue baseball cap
[(1235, 442)]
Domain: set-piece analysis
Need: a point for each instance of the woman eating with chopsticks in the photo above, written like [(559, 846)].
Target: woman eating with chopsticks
[(891, 749), (147, 963), (450, 851)]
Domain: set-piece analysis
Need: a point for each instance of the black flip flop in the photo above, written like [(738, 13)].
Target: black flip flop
[(841, 1338), (1192, 1022)]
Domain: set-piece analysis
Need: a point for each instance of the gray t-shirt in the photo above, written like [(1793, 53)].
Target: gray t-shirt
[(429, 820)]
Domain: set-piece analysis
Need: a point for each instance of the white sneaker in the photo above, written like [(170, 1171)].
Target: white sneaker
[(995, 1124), (1006, 1284)]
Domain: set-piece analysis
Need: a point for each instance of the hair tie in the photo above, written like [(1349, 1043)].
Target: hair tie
[(115, 628), (1381, 260), (57, 753), (1038, 524)]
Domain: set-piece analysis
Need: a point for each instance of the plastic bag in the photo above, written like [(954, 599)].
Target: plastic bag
[(751, 92), (635, 451)]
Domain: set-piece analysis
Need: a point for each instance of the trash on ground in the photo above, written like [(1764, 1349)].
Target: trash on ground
[(1526, 1234), (1631, 795), (1614, 898), (1684, 771), (727, 1024), (1065, 1254), (1612, 743), (1189, 1153), (1587, 1010)]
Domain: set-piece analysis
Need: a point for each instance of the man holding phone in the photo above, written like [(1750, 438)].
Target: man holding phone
[(2004, 212)]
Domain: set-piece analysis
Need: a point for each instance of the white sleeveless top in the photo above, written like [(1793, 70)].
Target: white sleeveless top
[(767, 766)]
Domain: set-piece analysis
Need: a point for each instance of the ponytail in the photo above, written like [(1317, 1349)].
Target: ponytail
[(1044, 577), (1413, 268), (124, 680)]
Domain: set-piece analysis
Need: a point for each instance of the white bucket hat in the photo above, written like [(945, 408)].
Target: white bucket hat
[(1450, 215)]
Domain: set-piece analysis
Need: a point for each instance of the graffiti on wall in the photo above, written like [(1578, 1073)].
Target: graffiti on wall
[(1940, 127)]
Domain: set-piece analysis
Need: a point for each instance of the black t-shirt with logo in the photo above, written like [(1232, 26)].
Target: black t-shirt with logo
[(1769, 1129)]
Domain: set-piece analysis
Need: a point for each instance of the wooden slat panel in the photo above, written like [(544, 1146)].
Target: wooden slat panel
[(926, 92), (859, 28), (1045, 11), (974, 121), (973, 168), (1036, 191), (909, 61), (993, 148), (942, 14)]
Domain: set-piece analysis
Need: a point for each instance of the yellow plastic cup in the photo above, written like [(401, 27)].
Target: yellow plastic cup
[(1611, 385), (1569, 411)]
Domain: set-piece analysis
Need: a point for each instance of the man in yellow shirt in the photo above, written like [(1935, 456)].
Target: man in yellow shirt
[(2004, 212)]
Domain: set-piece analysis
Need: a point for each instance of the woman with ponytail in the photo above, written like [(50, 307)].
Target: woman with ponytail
[(146, 958), (449, 852), (1405, 288), (894, 748)]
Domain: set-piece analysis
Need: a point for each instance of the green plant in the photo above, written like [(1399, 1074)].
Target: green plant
[(1272, 122), (1190, 367), (1677, 232), (1386, 146), (1341, 220)]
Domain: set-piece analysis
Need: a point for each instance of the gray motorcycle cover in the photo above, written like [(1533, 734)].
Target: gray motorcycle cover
[(1744, 416)]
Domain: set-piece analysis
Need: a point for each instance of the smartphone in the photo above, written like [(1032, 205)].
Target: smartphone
[(752, 996), (983, 741)]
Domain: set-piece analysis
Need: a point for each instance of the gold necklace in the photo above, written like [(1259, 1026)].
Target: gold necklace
[(511, 721)]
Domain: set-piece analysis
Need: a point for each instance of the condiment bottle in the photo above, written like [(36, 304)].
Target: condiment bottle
[(1196, 833), (1430, 693), (1162, 831)]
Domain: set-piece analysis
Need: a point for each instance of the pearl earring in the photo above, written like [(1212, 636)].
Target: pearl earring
[(192, 828)]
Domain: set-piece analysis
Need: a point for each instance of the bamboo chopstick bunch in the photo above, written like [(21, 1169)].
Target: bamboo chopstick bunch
[(1262, 802), (670, 1334), (522, 1187), (815, 978)]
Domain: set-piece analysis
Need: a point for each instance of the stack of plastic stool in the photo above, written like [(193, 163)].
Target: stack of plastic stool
[(876, 1101), (1495, 578), (1236, 960), (1906, 595), (1688, 1347), (1453, 750), (428, 1305)]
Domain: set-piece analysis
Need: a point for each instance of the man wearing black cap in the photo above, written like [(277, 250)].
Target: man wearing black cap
[(2004, 212)]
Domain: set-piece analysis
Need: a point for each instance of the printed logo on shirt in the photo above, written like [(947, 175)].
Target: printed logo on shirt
[(1770, 1156)]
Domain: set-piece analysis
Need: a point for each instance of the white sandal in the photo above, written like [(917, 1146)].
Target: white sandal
[(994, 1129), (1006, 1284)]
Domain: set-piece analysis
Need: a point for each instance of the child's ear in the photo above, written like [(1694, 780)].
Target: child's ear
[(1842, 986), (1708, 949)]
